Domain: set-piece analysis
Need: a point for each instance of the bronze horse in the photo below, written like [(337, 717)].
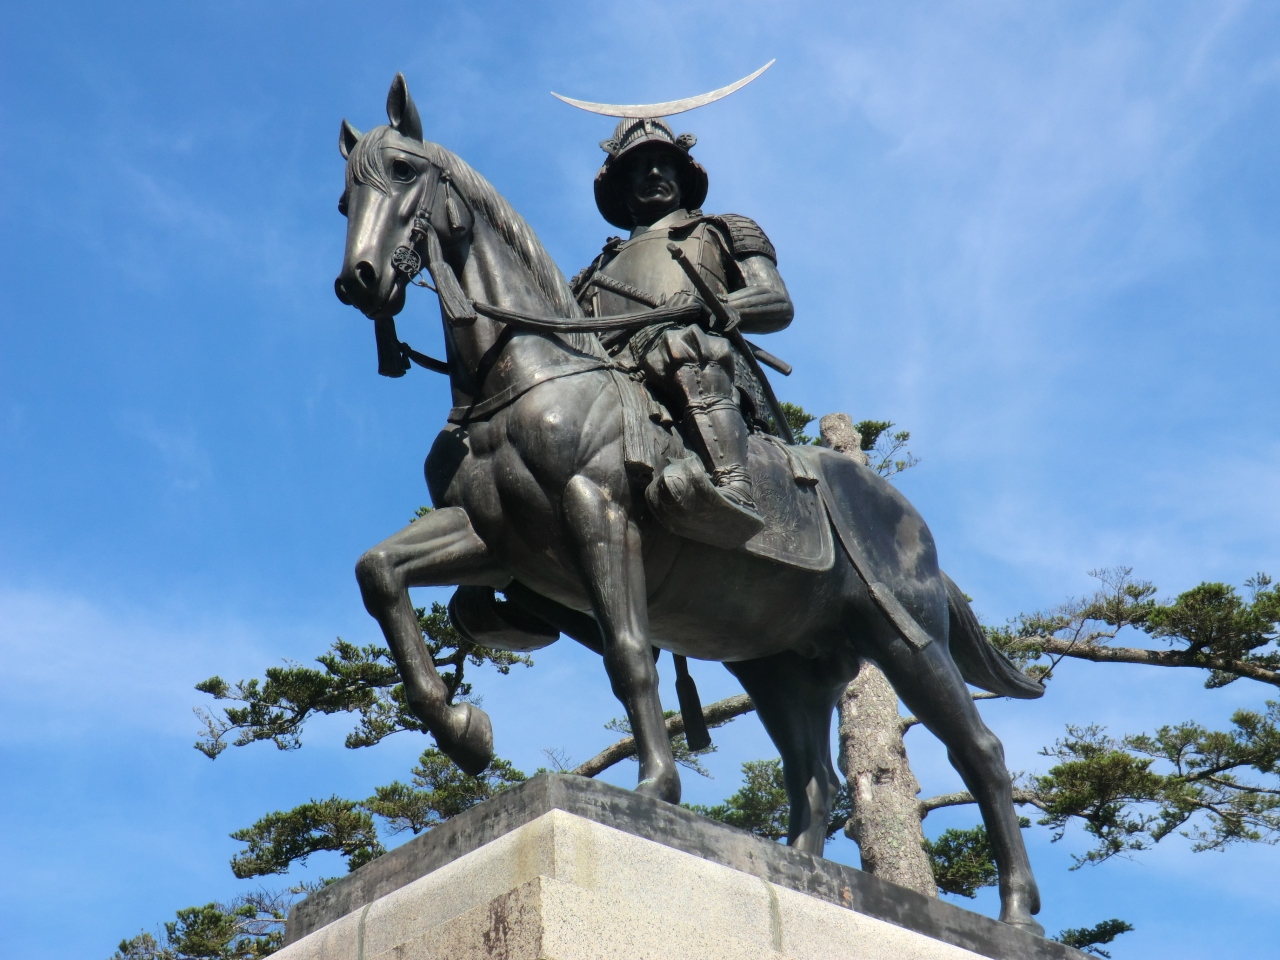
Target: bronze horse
[(533, 497)]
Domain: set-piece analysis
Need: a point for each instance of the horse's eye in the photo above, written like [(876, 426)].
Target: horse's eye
[(402, 171), (342, 204)]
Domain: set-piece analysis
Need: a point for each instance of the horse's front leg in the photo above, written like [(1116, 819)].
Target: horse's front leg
[(608, 547), (437, 550)]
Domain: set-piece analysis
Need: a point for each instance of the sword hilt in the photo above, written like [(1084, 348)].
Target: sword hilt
[(727, 316)]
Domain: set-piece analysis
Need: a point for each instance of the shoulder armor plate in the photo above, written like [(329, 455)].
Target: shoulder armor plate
[(579, 282), (744, 236)]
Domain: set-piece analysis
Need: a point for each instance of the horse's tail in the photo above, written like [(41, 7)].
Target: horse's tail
[(980, 663)]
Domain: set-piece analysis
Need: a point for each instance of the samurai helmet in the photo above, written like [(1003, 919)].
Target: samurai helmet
[(641, 125), (629, 136)]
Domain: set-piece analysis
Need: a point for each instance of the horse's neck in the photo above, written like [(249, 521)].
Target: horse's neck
[(495, 275)]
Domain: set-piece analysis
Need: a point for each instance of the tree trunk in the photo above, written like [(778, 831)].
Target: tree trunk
[(886, 814)]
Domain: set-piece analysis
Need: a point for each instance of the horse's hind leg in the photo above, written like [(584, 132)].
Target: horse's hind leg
[(439, 549), (795, 698), (608, 548), (930, 684)]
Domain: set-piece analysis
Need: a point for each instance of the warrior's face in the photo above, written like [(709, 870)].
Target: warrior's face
[(652, 184)]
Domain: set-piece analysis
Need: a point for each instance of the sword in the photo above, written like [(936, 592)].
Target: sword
[(626, 290), (769, 360), (729, 322), (719, 309)]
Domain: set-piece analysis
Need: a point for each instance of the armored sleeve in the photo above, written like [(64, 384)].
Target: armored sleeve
[(744, 237)]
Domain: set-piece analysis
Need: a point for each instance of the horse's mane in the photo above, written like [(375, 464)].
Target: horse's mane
[(365, 166)]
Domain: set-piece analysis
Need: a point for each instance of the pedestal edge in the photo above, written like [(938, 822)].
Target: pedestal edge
[(682, 830)]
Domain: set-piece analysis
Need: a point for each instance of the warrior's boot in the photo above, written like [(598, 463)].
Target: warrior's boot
[(713, 417), (714, 505)]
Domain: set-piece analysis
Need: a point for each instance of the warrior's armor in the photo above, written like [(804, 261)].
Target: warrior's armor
[(700, 374)]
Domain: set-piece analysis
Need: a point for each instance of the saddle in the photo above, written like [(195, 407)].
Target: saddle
[(808, 496), (796, 530)]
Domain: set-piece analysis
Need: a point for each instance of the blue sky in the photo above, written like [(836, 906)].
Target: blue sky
[(1042, 237)]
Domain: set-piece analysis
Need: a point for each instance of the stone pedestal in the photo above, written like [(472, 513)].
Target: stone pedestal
[(565, 868)]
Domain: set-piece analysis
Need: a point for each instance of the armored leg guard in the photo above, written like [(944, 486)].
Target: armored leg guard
[(715, 504), (712, 416)]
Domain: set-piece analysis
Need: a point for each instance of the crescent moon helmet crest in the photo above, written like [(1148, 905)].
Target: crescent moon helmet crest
[(651, 111)]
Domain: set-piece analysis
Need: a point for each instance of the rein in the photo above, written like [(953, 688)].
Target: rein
[(459, 310), (622, 321)]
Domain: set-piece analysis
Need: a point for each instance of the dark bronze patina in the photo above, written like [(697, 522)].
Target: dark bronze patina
[(557, 479)]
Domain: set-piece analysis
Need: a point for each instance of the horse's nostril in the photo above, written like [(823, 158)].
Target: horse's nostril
[(341, 292), (367, 275)]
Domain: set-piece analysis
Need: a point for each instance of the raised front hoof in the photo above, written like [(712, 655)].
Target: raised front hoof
[(470, 743), (663, 787), (687, 503)]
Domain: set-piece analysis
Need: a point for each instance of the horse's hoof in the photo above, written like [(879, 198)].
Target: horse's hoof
[(470, 745), (666, 787), (1024, 922), (1017, 907), (1029, 926)]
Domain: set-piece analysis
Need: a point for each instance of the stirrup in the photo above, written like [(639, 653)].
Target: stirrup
[(687, 503), (734, 484)]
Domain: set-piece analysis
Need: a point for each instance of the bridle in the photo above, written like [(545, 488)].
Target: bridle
[(394, 355), (406, 259)]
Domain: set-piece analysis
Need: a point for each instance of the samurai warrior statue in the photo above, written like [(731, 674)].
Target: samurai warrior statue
[(702, 372)]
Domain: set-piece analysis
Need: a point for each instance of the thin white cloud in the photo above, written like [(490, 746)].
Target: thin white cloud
[(73, 667), (184, 460)]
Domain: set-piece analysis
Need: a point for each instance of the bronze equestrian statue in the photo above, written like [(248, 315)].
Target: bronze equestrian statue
[(542, 482)]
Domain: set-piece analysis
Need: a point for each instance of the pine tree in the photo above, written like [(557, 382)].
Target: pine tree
[(1128, 791)]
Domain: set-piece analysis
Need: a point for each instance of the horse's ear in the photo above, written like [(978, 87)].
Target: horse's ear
[(401, 110), (347, 138)]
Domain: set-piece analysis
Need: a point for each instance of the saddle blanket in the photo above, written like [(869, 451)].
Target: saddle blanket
[(796, 530)]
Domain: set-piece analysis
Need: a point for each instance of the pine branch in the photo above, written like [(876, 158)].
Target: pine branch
[(964, 797), (1209, 627), (351, 679), (909, 721), (248, 928), (716, 714), (1100, 653), (283, 838)]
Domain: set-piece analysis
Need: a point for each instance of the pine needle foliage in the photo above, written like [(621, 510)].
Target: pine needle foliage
[(284, 838), (1215, 787), (1210, 627), (440, 790), (1091, 939), (962, 862), (351, 679), (249, 928), (760, 806), (1132, 792)]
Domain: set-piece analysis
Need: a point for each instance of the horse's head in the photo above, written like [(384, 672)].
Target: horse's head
[(395, 193)]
